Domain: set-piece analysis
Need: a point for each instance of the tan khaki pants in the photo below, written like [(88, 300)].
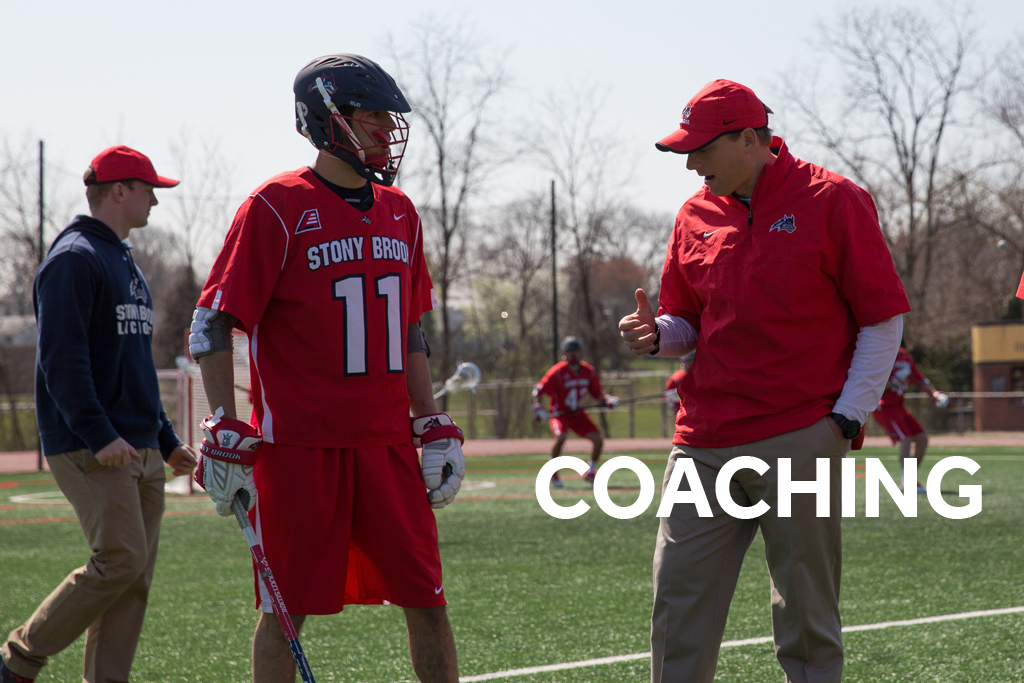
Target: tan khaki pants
[(119, 509), (697, 562)]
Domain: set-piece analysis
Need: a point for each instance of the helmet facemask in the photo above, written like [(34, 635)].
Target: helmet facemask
[(377, 157)]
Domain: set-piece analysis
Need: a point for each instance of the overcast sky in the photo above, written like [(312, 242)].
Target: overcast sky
[(86, 75)]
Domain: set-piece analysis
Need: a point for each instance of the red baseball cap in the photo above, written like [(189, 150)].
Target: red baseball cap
[(720, 107), (124, 163)]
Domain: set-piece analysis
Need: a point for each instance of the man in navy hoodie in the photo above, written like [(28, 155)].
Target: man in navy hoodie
[(102, 426)]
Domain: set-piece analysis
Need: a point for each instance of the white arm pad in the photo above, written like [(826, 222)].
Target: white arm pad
[(870, 368), (678, 336), (210, 332)]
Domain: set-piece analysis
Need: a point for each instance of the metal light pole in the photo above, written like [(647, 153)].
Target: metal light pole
[(554, 279)]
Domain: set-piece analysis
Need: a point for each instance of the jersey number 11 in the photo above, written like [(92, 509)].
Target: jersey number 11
[(351, 291)]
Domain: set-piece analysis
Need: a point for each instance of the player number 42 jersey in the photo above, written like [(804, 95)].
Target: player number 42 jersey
[(904, 373), (326, 294), (567, 389)]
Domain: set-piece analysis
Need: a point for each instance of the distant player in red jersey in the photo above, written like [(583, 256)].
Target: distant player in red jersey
[(896, 420), (323, 268), (567, 384), (673, 394)]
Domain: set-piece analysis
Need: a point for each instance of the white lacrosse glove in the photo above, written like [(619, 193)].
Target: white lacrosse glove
[(941, 399), (443, 465), (539, 414), (611, 401), (671, 396), (229, 452)]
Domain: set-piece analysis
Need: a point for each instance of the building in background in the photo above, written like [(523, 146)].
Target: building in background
[(997, 351)]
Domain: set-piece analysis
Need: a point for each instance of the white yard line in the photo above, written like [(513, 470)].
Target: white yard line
[(733, 643)]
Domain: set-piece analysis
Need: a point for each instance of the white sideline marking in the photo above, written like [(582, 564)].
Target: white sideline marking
[(733, 643)]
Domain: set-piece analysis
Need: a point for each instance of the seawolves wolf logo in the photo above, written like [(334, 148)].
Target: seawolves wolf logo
[(785, 223), (138, 291)]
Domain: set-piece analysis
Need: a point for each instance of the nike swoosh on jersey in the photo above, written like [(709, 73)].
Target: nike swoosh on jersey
[(709, 234), (400, 217), (437, 591)]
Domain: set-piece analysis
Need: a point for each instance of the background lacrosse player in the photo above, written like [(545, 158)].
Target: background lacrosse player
[(325, 273), (901, 426), (567, 384)]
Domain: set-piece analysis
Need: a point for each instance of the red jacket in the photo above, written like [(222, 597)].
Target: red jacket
[(778, 292)]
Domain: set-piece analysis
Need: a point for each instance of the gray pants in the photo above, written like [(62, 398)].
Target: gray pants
[(697, 562), (120, 509)]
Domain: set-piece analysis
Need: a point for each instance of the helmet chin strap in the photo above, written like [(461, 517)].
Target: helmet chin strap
[(329, 103), (302, 119)]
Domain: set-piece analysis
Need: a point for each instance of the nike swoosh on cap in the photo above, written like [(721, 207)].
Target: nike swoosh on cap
[(726, 123)]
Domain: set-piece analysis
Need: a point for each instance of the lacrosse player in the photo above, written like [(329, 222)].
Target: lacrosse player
[(901, 426), (323, 268), (567, 384)]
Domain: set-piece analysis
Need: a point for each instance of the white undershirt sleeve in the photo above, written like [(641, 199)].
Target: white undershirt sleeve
[(678, 336), (873, 358)]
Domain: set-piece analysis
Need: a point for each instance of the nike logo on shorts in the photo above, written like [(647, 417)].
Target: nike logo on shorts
[(437, 591), (709, 234), (399, 217)]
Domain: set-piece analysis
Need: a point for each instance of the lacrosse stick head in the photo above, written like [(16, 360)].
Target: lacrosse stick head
[(190, 367), (467, 376)]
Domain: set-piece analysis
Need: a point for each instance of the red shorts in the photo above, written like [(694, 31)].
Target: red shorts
[(578, 422), (346, 526), (897, 422)]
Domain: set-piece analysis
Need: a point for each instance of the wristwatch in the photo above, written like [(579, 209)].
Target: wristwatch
[(849, 428)]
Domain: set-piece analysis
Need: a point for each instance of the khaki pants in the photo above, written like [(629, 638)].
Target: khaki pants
[(697, 563), (119, 509)]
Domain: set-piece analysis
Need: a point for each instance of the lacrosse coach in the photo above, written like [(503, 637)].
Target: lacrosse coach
[(778, 276)]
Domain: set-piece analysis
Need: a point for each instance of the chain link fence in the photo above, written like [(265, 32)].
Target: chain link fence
[(502, 409)]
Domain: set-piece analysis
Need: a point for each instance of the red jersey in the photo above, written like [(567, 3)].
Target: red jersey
[(673, 383), (1020, 288), (777, 291), (904, 373), (326, 294), (567, 388)]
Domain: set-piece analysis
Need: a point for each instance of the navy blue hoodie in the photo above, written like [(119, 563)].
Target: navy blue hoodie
[(95, 377)]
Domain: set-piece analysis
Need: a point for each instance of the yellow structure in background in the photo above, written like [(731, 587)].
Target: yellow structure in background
[(997, 350), (998, 343)]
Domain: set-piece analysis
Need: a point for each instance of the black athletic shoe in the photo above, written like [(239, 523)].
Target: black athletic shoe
[(8, 676)]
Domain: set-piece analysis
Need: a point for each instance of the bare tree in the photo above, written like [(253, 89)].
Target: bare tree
[(19, 221), (200, 206), (200, 213), (995, 202), (1005, 100), (516, 309), (452, 84), (903, 77), (585, 158)]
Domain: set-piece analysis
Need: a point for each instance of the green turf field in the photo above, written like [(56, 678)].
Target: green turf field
[(528, 590)]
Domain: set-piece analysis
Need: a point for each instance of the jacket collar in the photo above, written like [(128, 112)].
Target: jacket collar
[(92, 227)]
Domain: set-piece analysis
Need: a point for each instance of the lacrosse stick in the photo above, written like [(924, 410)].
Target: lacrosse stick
[(598, 408), (191, 369), (267, 576), (467, 376)]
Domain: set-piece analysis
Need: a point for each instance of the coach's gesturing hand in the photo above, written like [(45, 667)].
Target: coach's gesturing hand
[(639, 330)]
